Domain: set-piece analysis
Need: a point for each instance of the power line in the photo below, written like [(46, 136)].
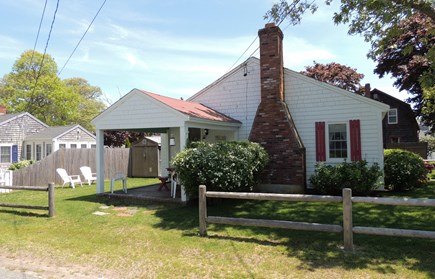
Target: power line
[(242, 54), (90, 24), (46, 45), (39, 29)]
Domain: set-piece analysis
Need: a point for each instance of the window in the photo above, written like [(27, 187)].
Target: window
[(5, 154), (47, 149), (336, 141), (93, 146), (73, 145), (62, 145), (392, 116), (38, 152), (83, 145), (29, 152), (337, 135), (395, 140)]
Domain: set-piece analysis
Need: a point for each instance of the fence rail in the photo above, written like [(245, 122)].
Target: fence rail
[(49, 189), (347, 228)]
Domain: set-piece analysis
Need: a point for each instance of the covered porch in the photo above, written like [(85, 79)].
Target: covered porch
[(178, 122)]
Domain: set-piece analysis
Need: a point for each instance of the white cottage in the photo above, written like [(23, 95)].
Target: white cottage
[(51, 139), (299, 121)]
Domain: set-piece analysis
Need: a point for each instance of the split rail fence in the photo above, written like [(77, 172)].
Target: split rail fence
[(346, 228), (49, 189)]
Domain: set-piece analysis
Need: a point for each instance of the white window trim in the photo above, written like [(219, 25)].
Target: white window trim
[(10, 157), (397, 116), (337, 160)]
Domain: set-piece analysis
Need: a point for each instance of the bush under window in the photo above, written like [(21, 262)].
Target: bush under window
[(224, 166), (358, 176)]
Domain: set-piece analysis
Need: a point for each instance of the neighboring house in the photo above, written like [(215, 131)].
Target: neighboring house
[(400, 127), (14, 128), (51, 139), (23, 136), (299, 120)]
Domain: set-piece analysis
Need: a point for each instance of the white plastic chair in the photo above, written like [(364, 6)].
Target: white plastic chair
[(88, 174), (2, 177), (72, 179)]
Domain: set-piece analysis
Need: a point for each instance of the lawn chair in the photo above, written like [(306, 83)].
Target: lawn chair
[(72, 179), (2, 177), (88, 174)]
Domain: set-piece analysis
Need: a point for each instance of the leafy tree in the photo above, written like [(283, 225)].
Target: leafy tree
[(430, 143), (121, 138), (407, 53), (90, 104), (380, 22), (369, 17), (336, 74), (33, 86)]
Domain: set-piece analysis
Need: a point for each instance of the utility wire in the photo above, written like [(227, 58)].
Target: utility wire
[(243, 54), (90, 24), (37, 35), (46, 45)]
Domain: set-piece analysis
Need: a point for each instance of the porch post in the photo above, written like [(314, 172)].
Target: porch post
[(100, 161), (184, 135)]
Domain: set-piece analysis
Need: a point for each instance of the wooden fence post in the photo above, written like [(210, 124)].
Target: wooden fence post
[(202, 211), (51, 199), (347, 220)]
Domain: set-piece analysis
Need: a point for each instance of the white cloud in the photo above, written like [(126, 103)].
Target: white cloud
[(135, 62), (299, 53)]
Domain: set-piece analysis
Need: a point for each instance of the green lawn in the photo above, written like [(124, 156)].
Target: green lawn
[(150, 240)]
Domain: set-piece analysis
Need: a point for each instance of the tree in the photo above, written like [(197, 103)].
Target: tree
[(90, 103), (336, 74), (369, 17), (121, 138), (407, 53), (33, 86), (430, 143), (379, 22)]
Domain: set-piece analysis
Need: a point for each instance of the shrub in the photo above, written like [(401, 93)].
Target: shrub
[(20, 164), (223, 166), (358, 176), (404, 170)]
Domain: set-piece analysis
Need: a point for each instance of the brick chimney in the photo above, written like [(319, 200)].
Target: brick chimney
[(2, 109), (367, 91), (273, 126)]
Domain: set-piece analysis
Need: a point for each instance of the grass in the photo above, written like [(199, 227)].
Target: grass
[(161, 240)]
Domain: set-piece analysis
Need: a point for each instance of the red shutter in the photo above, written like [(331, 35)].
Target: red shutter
[(355, 140), (320, 141)]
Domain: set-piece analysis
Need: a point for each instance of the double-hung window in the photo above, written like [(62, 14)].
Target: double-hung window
[(38, 152), (337, 134), (338, 141), (5, 154), (392, 116)]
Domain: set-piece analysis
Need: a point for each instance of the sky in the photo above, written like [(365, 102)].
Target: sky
[(170, 47)]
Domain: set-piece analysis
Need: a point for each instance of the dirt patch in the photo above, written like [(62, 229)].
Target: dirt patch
[(34, 267)]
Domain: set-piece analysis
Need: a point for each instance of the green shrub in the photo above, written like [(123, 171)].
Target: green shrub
[(358, 176), (223, 166), (404, 170), (20, 164)]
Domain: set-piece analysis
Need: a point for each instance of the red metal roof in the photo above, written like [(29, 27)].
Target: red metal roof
[(192, 108)]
